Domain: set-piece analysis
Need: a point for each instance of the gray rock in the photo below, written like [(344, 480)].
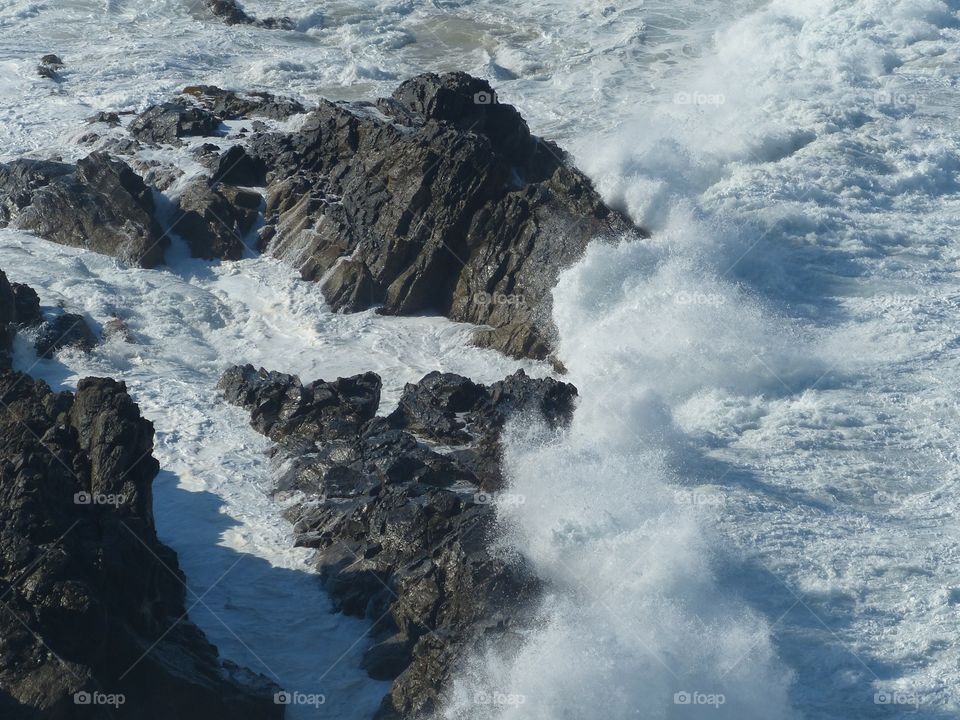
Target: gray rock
[(236, 167), (167, 123), (95, 603), (443, 201), (215, 220), (231, 105), (27, 305), (402, 528), (99, 204), (49, 67), (232, 14), (8, 319)]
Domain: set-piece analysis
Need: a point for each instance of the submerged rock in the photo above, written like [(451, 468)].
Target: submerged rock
[(49, 67), (67, 330), (442, 200), (232, 14), (399, 510), (95, 604), (99, 204)]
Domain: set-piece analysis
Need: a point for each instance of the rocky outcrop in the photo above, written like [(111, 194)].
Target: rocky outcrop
[(167, 123), (232, 14), (99, 204), (93, 614), (26, 304), (442, 200), (215, 220), (231, 105), (399, 510)]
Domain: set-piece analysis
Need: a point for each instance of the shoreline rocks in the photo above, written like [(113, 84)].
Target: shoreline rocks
[(399, 510), (92, 604), (442, 200), (437, 199), (99, 204)]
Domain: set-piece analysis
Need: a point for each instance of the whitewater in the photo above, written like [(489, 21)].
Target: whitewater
[(753, 512)]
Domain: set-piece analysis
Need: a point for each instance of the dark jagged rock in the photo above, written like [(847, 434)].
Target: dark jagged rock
[(236, 167), (231, 105), (93, 602), (67, 330), (107, 118), (215, 220), (395, 508), (350, 286), (165, 124), (49, 67), (232, 14), (443, 201), (453, 410), (285, 410), (99, 204), (26, 305), (8, 320)]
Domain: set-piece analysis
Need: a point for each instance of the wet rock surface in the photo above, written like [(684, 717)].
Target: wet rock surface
[(215, 220), (231, 105), (99, 204), (169, 122), (93, 620), (398, 508), (443, 201), (436, 199), (26, 305), (232, 14), (8, 321), (50, 67)]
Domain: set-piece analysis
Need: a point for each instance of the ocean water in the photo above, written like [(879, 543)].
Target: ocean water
[(753, 514)]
